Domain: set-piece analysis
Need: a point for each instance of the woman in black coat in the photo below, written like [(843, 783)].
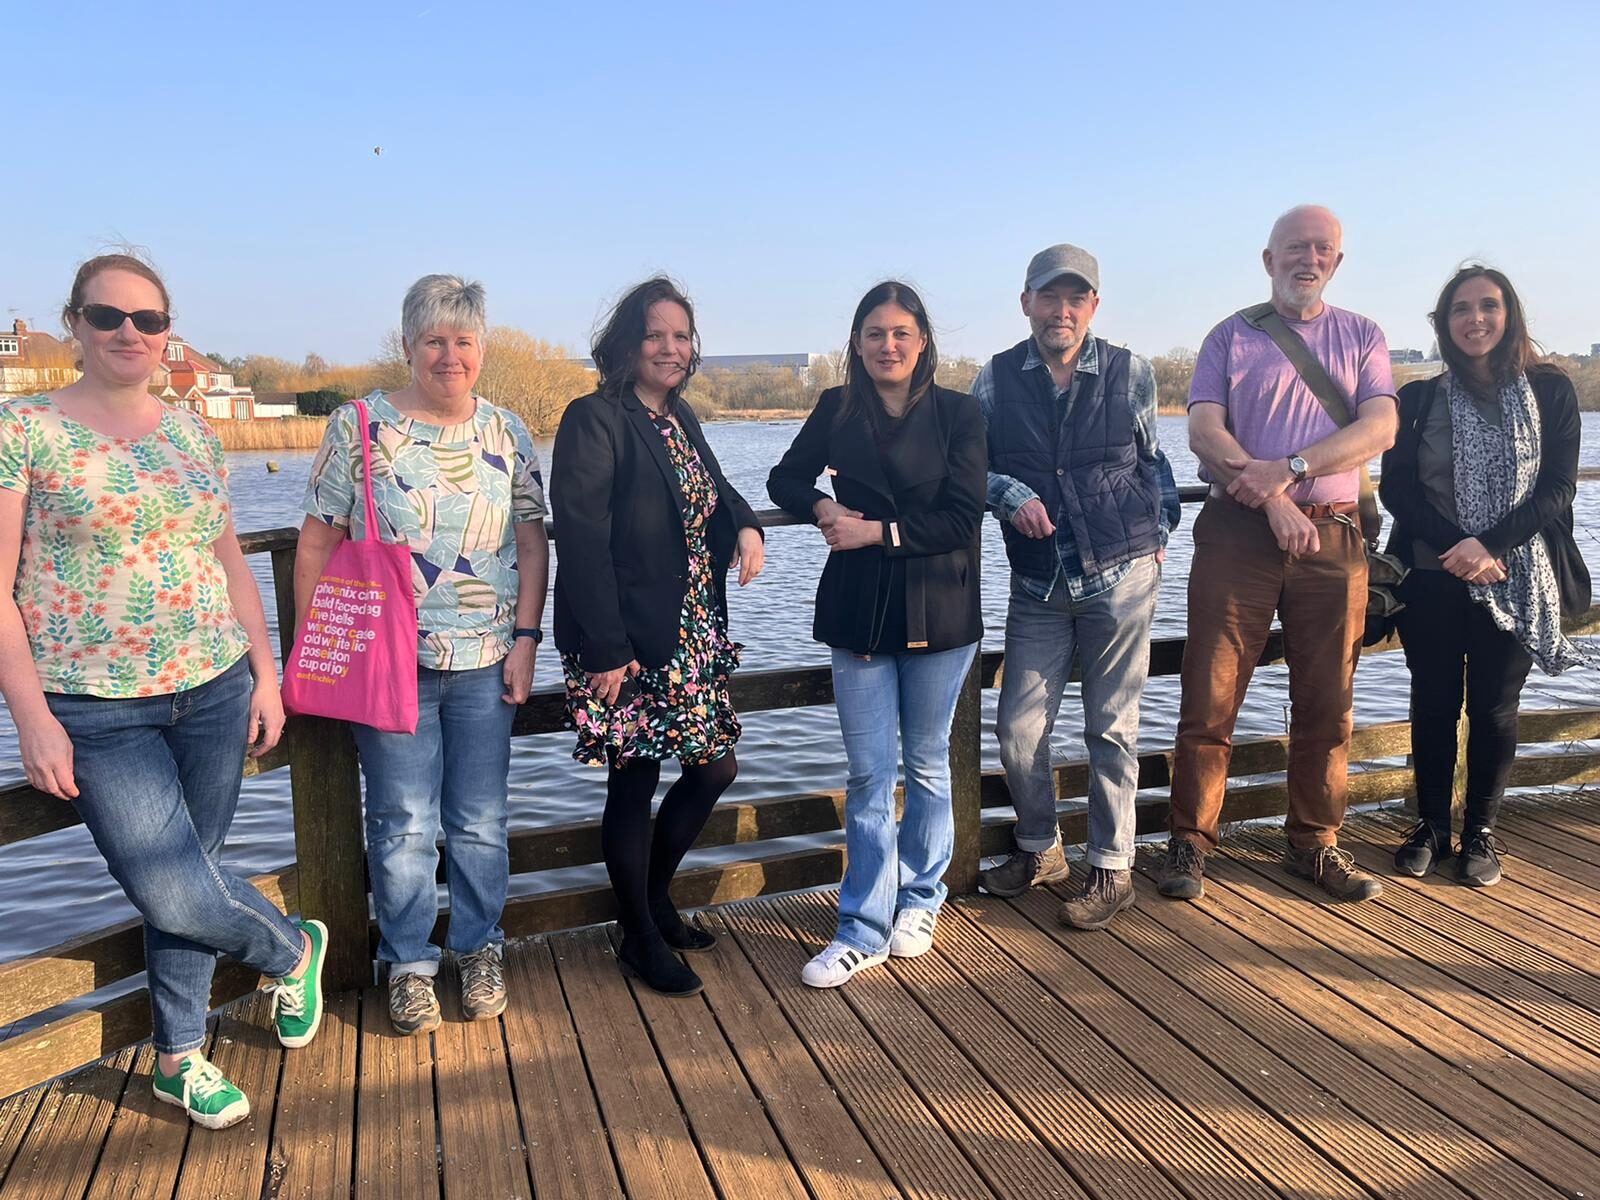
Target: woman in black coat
[(1480, 481), (646, 526), (899, 604)]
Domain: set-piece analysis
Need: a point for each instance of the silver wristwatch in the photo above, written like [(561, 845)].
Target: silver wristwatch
[(1298, 467)]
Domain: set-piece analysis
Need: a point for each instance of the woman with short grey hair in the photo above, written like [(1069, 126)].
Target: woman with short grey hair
[(456, 479)]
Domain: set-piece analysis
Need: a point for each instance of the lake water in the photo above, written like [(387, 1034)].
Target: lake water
[(55, 887)]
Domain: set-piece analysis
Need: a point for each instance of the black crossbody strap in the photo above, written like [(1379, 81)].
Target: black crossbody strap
[(1334, 402)]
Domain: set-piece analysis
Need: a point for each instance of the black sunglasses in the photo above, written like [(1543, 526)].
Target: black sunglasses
[(107, 319)]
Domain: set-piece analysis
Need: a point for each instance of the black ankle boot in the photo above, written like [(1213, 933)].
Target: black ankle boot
[(677, 932), (648, 957)]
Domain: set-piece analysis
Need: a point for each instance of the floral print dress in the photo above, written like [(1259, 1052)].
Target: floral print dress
[(682, 709)]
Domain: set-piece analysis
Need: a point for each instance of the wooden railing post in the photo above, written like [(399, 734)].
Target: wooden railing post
[(329, 843), (966, 782)]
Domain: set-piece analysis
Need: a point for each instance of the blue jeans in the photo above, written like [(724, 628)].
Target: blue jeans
[(450, 773), (1111, 633), (893, 706), (158, 780)]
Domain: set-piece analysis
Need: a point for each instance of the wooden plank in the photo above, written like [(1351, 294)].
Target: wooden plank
[(743, 1153), (396, 1127), (1548, 844), (732, 822), (233, 1161), (567, 1147), (1061, 1115), (1582, 834), (1131, 1108), (59, 1154), (42, 1053), (85, 964), (480, 1136), (144, 1150), (592, 904), (330, 845), (313, 1138), (26, 812), (966, 786), (908, 1138), (1428, 980), (1271, 1151), (16, 1115), (654, 1152), (1469, 966), (1425, 1009), (977, 1116), (1196, 947), (823, 1140), (1314, 1093), (1540, 936)]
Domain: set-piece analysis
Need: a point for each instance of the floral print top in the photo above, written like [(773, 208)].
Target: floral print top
[(119, 589), (682, 710), (452, 493)]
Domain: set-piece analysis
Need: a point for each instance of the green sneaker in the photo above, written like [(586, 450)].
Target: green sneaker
[(297, 1000), (211, 1101)]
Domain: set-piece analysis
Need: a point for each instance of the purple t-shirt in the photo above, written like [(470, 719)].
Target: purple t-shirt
[(1271, 412)]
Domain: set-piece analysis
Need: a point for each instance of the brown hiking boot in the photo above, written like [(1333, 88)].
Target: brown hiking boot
[(1105, 894), (1334, 871), (1183, 871), (1026, 869)]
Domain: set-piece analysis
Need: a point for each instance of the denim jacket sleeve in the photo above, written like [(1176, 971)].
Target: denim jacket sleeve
[(1003, 494)]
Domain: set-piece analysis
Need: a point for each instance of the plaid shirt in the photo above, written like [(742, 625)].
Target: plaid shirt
[(1006, 495)]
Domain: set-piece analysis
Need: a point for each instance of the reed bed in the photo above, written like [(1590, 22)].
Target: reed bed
[(273, 433)]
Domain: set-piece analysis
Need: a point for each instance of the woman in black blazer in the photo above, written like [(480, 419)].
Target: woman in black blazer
[(899, 603), (646, 526), (1480, 481)]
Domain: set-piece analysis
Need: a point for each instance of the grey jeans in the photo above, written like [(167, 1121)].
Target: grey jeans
[(1111, 633)]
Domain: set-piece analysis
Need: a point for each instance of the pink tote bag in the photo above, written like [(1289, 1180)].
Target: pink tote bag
[(355, 657)]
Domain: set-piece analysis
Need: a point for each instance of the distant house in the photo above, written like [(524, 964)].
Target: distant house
[(1400, 357), (190, 379), (32, 362), (276, 404)]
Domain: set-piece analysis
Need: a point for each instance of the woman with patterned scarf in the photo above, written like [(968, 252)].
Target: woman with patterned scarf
[(1480, 482)]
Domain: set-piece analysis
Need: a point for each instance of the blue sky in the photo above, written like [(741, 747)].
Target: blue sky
[(780, 159)]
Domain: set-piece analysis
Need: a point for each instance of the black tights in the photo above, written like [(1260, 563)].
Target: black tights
[(642, 864)]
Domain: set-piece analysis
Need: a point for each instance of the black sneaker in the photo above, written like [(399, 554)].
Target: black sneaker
[(1423, 850), (1479, 864)]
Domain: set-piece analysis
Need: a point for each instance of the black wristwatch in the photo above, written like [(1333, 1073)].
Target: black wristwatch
[(1298, 467), (536, 634)]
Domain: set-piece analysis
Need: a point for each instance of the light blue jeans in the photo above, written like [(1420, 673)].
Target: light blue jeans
[(451, 773), (1111, 633), (894, 707), (158, 780)]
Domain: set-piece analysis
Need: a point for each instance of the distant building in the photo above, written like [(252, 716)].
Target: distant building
[(1594, 349), (191, 380), (32, 362), (1400, 357), (270, 405)]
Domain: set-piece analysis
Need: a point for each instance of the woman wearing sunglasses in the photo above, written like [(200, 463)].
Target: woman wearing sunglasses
[(135, 661)]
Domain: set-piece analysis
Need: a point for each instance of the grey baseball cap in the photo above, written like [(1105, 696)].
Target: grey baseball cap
[(1063, 260)]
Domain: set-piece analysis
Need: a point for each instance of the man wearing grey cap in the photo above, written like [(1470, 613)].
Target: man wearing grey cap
[(1085, 499)]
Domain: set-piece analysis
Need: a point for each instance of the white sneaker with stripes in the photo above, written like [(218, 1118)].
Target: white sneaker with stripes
[(837, 963), (913, 932)]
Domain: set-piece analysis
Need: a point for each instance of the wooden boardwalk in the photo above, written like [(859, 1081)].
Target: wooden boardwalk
[(1438, 1044)]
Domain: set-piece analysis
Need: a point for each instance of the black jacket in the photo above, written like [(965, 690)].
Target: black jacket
[(1547, 510), (621, 555), (934, 522)]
